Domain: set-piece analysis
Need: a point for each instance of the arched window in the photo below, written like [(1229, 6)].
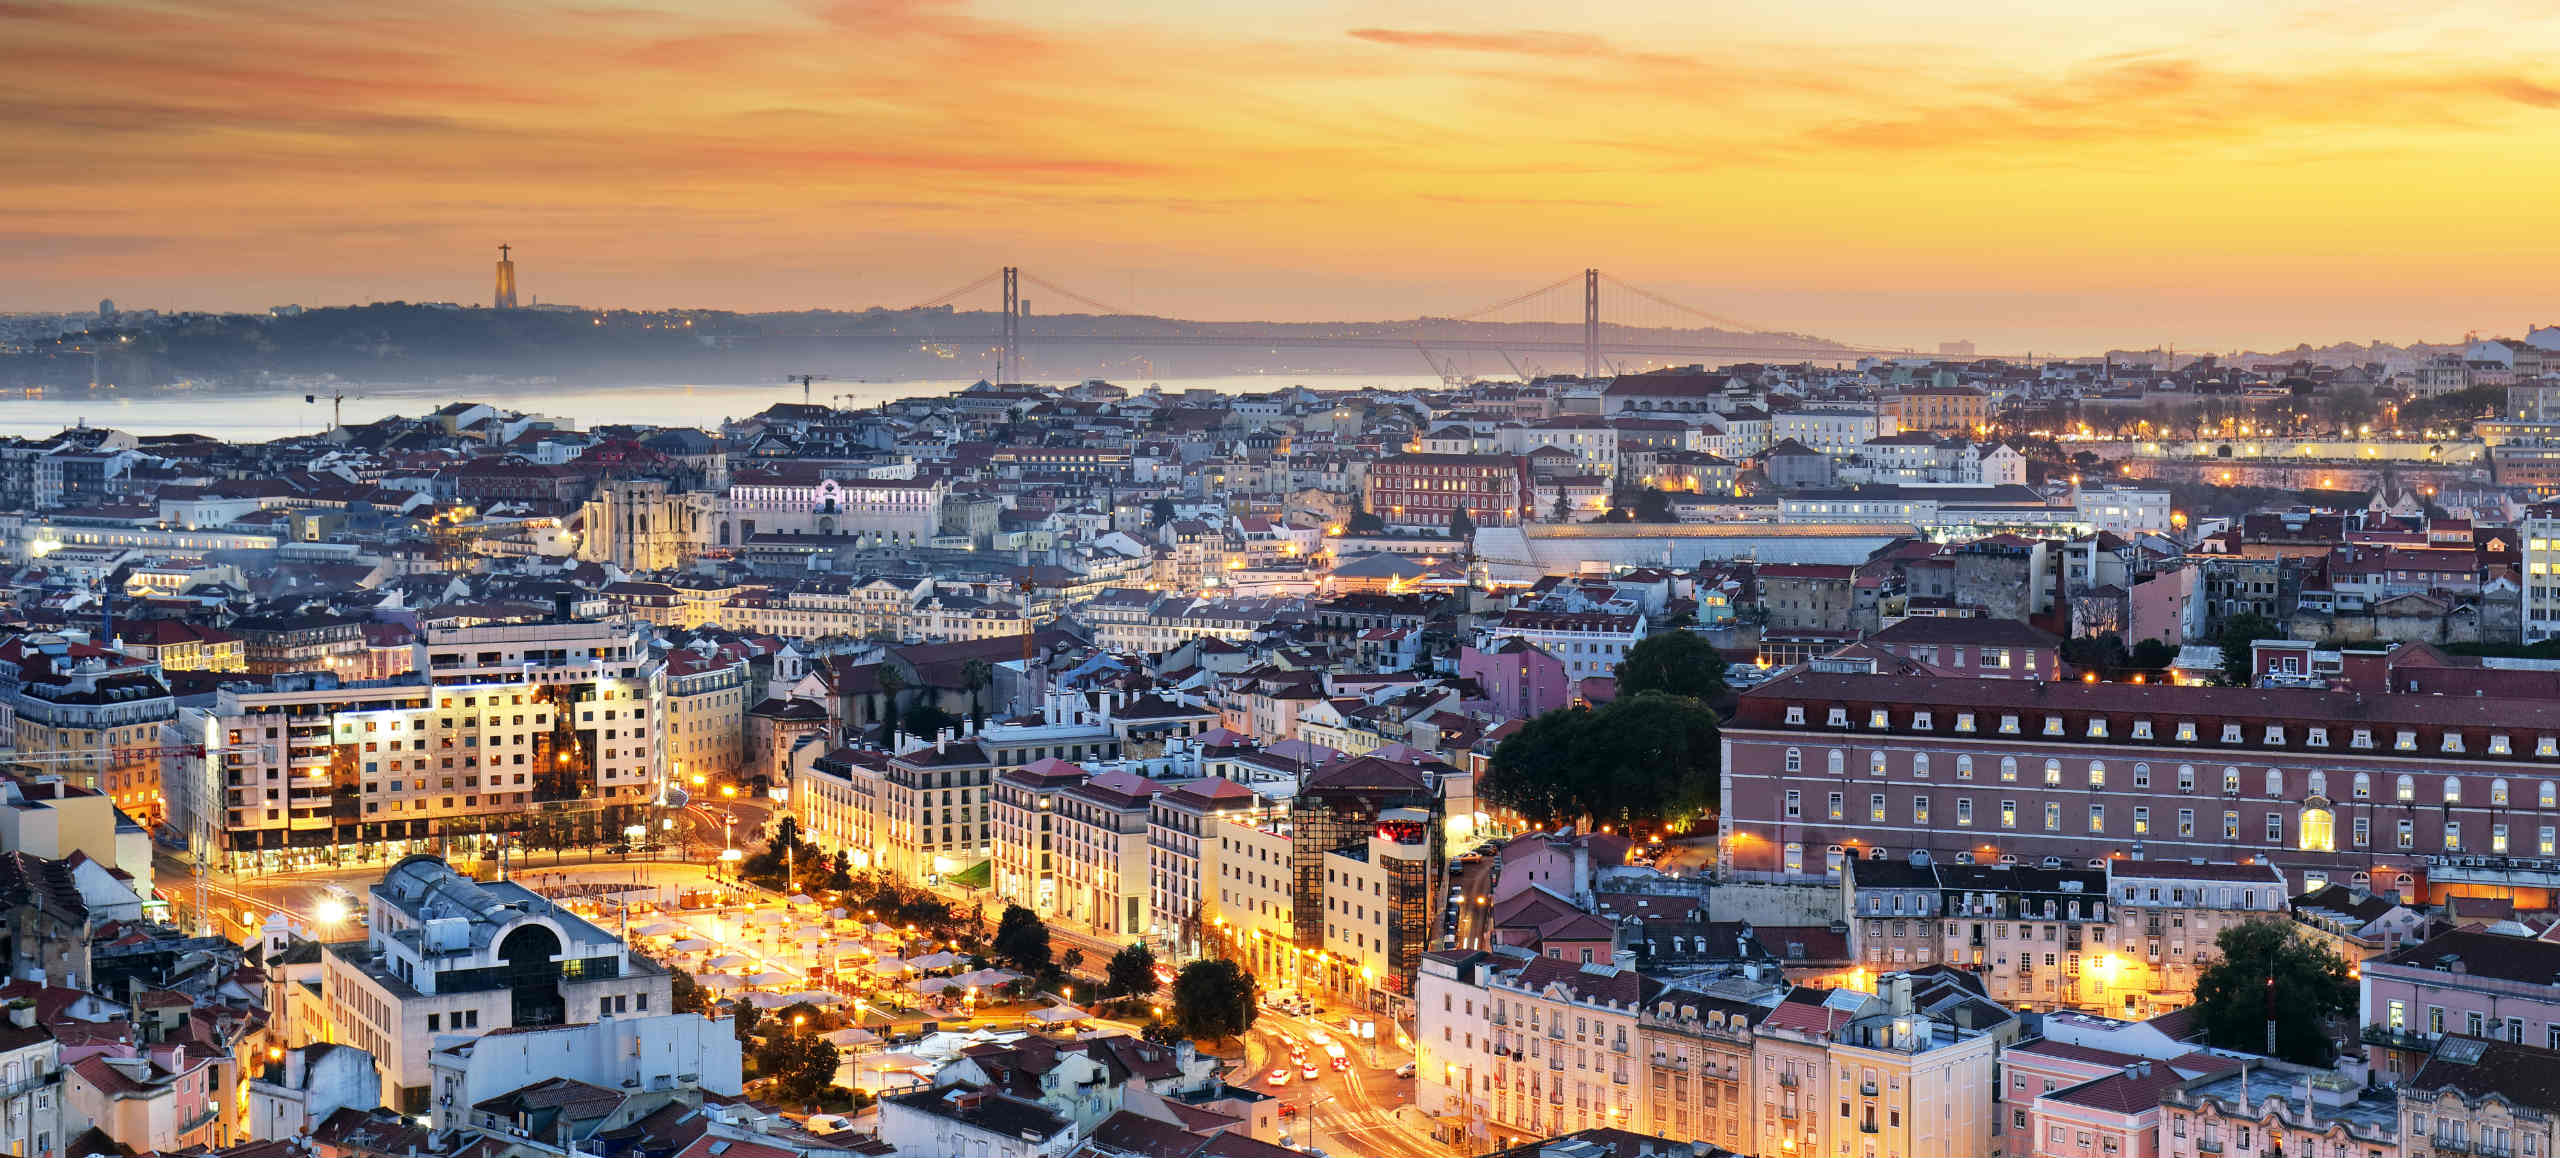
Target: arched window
[(2408, 787), (1839, 762), (1920, 765), (2319, 784), (1875, 763), (2453, 790), (2319, 830), (2275, 783), (2097, 773), (2008, 769), (2364, 785), (1964, 767), (2053, 772), (1795, 759), (2498, 792), (2547, 799)]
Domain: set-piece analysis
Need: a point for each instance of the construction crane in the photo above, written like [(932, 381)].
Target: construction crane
[(337, 405), (1449, 375), (804, 379)]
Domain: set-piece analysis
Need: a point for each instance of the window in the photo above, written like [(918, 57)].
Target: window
[(2186, 822), (2408, 835), (2141, 821), (2052, 773), (1964, 721), (2142, 775), (2186, 777), (2363, 832), (1795, 804), (1838, 762), (1875, 807), (1920, 722), (2230, 826), (2008, 725), (2319, 737), (1964, 767), (1964, 811), (1875, 764), (2097, 818), (2142, 729), (2231, 782), (2546, 799), (2275, 828), (2364, 786), (2053, 816), (2453, 836), (1839, 808), (1838, 718), (1920, 765), (1795, 759), (2231, 733), (2008, 769), (2275, 783), (1795, 858), (2407, 788), (1920, 810), (2008, 814), (2097, 774), (1876, 718), (2453, 790), (2498, 838), (2498, 792)]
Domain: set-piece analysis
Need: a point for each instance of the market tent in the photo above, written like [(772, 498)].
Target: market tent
[(1059, 1013), (729, 961), (763, 979), (690, 945)]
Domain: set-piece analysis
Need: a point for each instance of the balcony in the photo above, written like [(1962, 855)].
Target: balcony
[(2208, 1146), (1867, 1088), (1787, 1112), (1869, 1128), (2445, 1145), (2387, 1037)]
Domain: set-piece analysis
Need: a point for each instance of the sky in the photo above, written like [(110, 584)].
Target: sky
[(2030, 176)]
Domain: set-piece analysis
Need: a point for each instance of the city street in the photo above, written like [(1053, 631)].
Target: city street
[(1347, 1113)]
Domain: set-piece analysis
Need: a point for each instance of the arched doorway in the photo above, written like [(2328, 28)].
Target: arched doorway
[(529, 951)]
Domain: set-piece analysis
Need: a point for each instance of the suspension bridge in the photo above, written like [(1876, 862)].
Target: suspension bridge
[(1561, 317)]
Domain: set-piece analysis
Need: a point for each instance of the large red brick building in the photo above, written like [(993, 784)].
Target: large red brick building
[(2424, 794), (1421, 491)]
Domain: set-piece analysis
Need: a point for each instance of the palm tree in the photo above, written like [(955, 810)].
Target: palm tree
[(891, 683), (976, 675)]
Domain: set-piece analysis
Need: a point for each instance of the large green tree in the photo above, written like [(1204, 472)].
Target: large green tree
[(2262, 970), (2238, 632), (1213, 999), (1645, 757), (1023, 941), (1680, 663), (1131, 971)]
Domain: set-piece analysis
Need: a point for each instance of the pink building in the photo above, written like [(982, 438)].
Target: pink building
[(2470, 981), (2165, 607), (2115, 1116), (1519, 678)]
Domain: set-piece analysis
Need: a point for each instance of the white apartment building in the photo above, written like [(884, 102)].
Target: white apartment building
[(1834, 430), (445, 956), (2123, 511), (705, 722), (1246, 895), (1591, 440), (836, 798), (1102, 845), (1025, 799), (2541, 535), (1185, 824), (1590, 643)]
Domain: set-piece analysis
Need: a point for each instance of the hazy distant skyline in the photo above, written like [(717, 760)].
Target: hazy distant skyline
[(2060, 178)]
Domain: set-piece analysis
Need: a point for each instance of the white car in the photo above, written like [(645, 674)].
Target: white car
[(1405, 1070)]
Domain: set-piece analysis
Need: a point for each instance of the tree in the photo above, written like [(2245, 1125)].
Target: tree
[(1361, 521), (1653, 506), (1640, 758), (2262, 970), (2100, 653), (1461, 525), (1213, 999), (1131, 973), (743, 1022), (840, 878), (2237, 633), (796, 1057), (2153, 654), (1680, 663), (689, 995), (891, 683), (1160, 512), (1073, 961), (976, 675), (1563, 510), (925, 720), (1023, 941)]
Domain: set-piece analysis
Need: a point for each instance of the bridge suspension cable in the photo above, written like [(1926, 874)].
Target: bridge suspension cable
[(1516, 299), (963, 291), (1105, 308), (1717, 320)]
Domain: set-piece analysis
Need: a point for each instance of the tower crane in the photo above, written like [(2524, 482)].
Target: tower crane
[(337, 405), (804, 378)]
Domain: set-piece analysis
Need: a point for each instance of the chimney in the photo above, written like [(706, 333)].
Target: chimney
[(22, 1014), (941, 740)]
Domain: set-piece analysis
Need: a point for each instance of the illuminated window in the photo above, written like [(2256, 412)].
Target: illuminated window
[(2319, 830)]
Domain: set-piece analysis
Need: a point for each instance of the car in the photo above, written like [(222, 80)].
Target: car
[(1405, 1070), (1288, 1109), (825, 1124), (1319, 1037), (1280, 1077), (1309, 1071), (1341, 1065)]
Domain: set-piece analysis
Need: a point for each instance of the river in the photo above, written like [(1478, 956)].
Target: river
[(260, 415)]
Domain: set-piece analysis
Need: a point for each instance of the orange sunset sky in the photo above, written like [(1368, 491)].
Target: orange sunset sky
[(2057, 177)]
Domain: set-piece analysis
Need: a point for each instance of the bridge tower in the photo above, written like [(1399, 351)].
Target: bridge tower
[(1009, 365), (1591, 323), (506, 295)]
